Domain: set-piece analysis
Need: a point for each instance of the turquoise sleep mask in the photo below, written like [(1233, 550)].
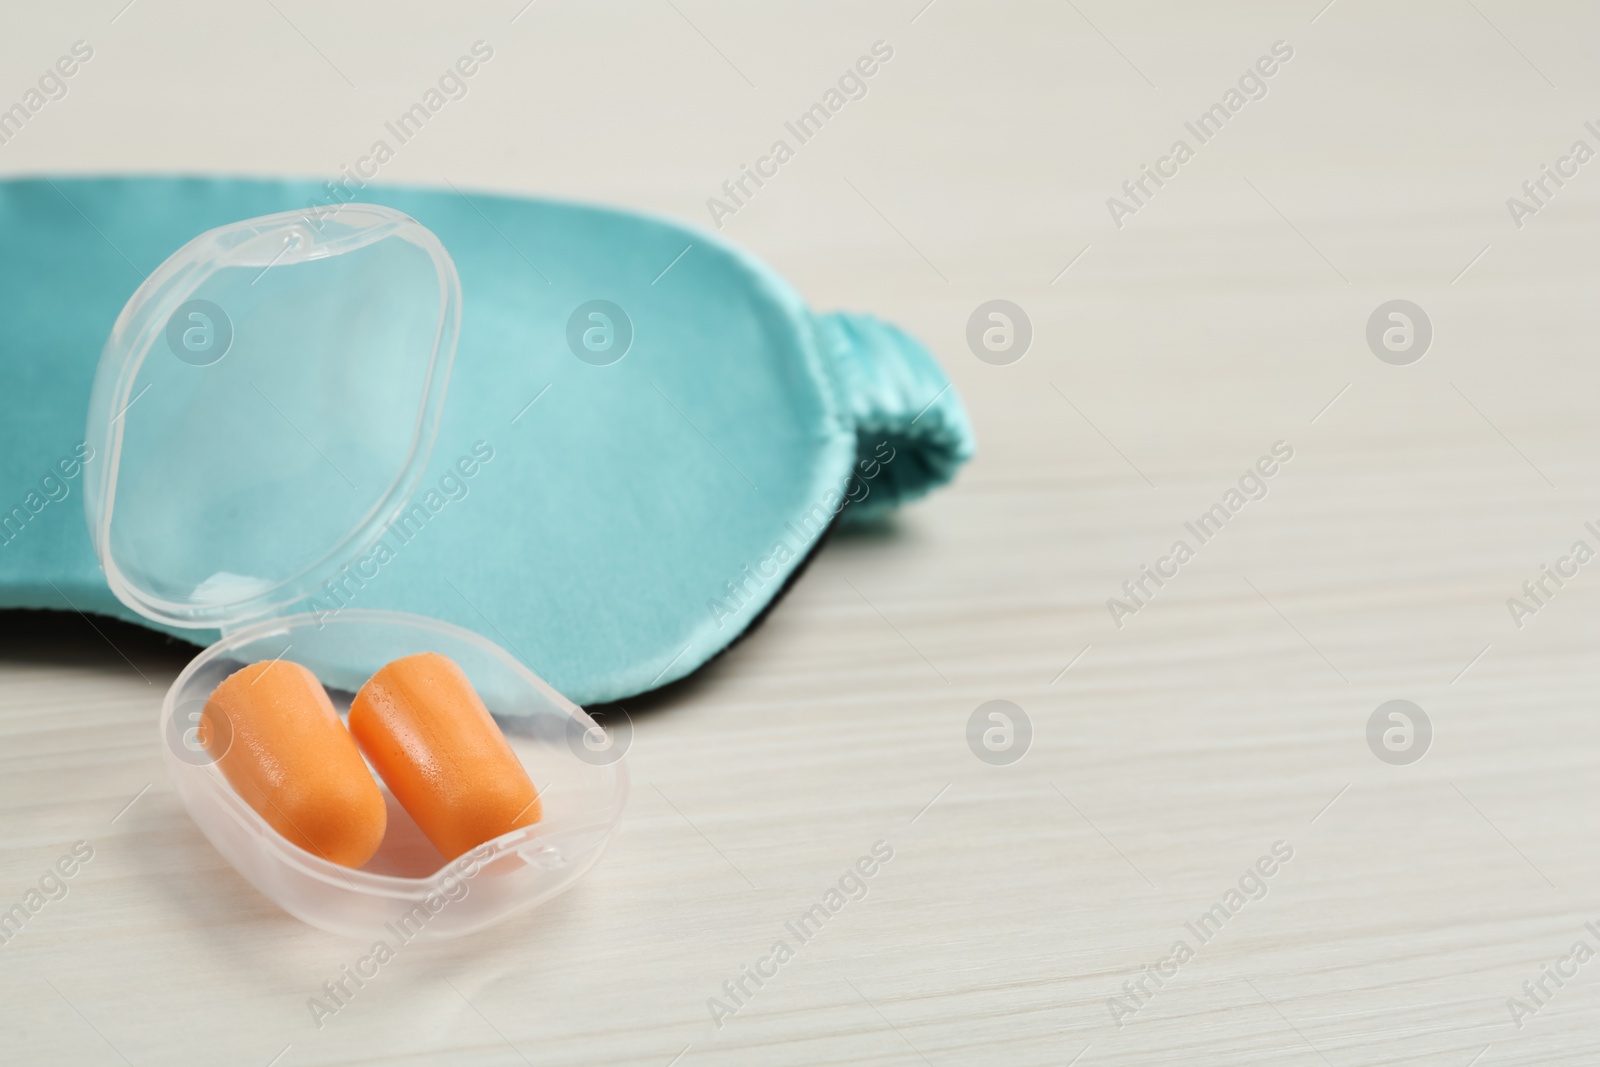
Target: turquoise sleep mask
[(645, 432)]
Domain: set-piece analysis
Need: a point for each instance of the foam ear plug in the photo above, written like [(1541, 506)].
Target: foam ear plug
[(433, 742), (279, 742)]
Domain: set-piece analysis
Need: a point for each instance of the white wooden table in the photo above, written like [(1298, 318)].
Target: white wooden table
[(1168, 756)]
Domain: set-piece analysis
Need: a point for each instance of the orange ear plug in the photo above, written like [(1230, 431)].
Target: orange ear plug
[(433, 742), (291, 759)]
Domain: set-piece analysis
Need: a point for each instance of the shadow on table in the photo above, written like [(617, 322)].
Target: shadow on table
[(93, 642)]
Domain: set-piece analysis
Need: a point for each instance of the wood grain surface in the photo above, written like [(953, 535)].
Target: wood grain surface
[(1172, 346)]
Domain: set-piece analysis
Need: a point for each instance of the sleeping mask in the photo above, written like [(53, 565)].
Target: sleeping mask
[(605, 441)]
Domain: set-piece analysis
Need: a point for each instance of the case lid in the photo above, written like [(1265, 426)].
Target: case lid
[(264, 407)]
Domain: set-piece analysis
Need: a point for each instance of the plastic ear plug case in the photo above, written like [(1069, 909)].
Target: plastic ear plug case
[(216, 431)]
